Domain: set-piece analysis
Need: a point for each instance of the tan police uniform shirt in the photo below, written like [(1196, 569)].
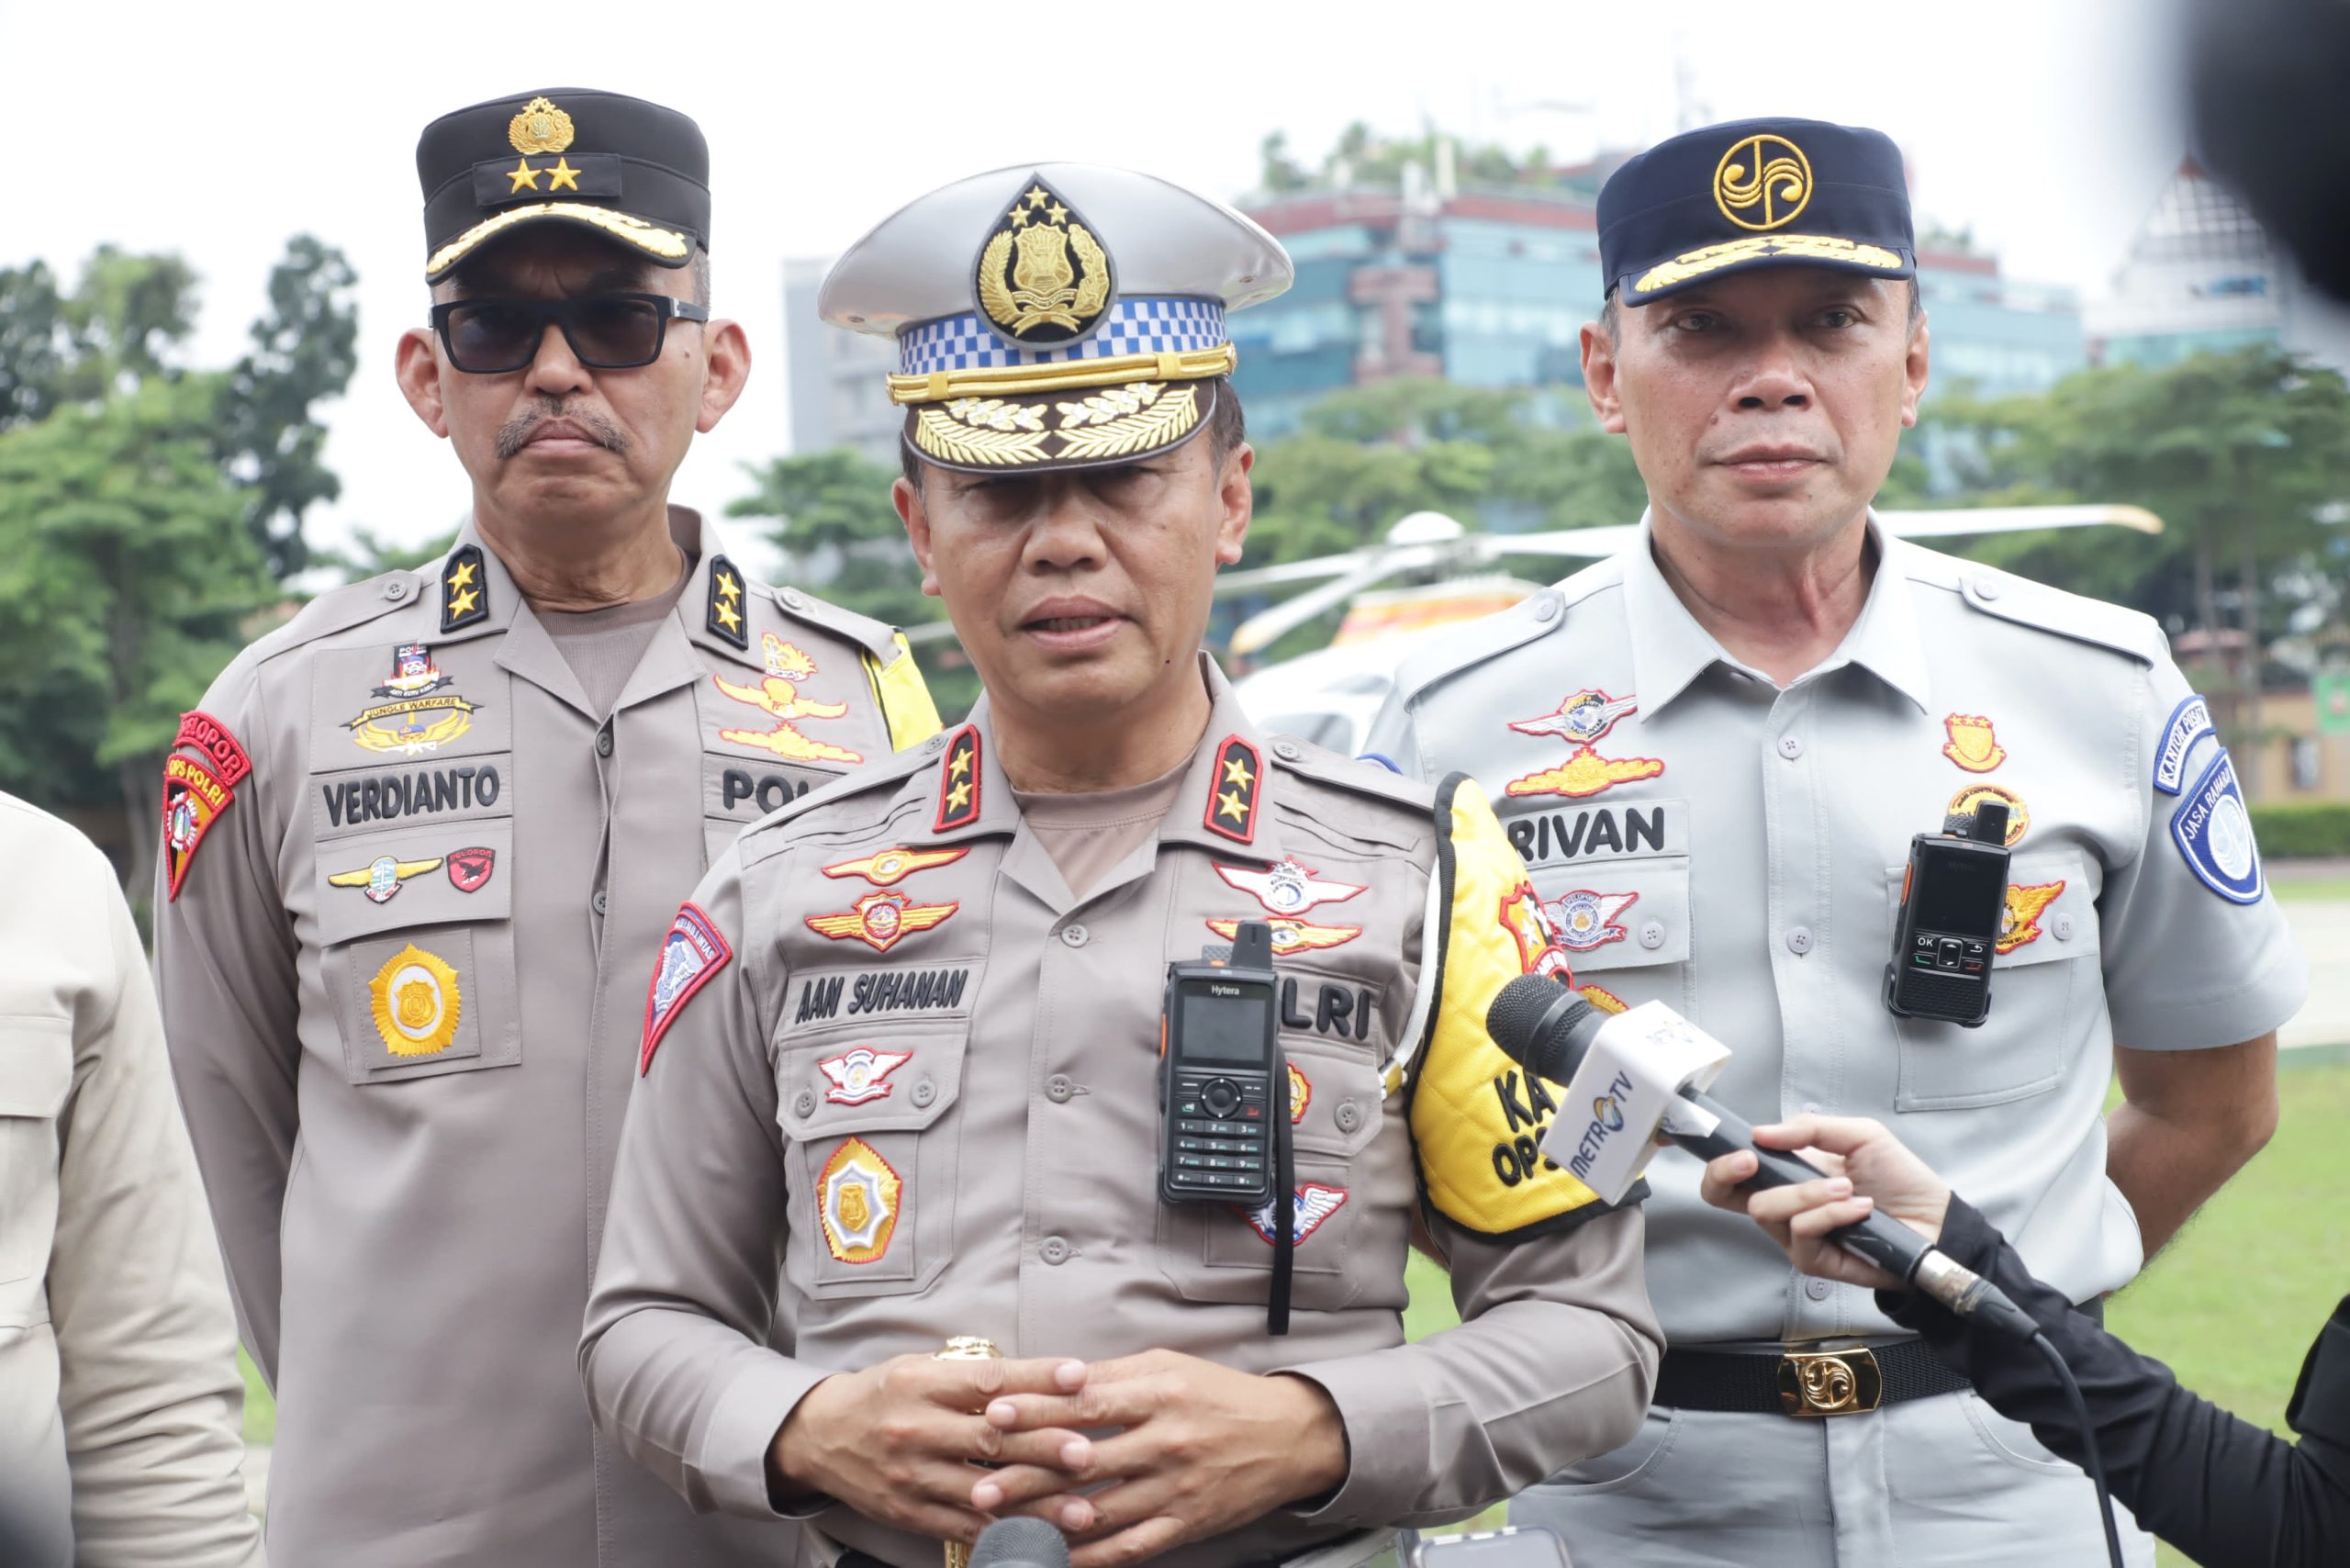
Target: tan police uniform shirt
[(121, 1403), (1707, 839), (894, 1061), (411, 883)]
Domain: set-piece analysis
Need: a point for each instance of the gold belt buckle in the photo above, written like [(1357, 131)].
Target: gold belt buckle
[(1830, 1383)]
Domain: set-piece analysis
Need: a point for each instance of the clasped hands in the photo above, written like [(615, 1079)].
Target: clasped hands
[(1129, 1457)]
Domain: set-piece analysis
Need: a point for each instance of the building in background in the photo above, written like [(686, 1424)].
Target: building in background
[(838, 394), (2201, 276), (1489, 286)]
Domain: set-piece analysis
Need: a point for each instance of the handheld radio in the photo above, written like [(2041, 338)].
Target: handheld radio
[(1219, 1070), (1952, 897)]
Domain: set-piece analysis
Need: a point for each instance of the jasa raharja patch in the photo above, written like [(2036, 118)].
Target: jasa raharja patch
[(1044, 276)]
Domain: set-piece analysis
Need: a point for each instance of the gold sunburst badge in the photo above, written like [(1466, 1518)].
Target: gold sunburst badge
[(1762, 182), (539, 128), (416, 1002), (1044, 277)]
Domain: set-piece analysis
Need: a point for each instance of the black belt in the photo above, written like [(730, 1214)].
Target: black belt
[(1807, 1382)]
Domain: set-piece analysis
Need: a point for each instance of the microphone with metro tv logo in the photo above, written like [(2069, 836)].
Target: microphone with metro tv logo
[(1645, 1070)]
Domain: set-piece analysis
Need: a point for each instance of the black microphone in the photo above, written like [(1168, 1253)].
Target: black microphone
[(1020, 1543), (1549, 1029)]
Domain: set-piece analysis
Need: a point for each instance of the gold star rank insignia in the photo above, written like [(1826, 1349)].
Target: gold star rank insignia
[(523, 175), (1232, 798), (466, 599), (725, 617), (562, 177), (958, 783)]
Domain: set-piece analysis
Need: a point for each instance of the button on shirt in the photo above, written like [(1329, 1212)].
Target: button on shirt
[(1735, 850)]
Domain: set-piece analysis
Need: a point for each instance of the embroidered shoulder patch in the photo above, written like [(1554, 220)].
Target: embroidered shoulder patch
[(194, 797), (211, 736), (1313, 1204), (2189, 723), (1231, 810), (465, 597), (724, 616), (691, 955), (958, 782), (2213, 832)]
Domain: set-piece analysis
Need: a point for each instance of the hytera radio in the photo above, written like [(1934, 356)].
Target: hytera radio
[(1220, 1075), (1952, 897)]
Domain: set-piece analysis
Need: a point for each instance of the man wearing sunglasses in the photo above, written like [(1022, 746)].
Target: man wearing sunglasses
[(451, 812)]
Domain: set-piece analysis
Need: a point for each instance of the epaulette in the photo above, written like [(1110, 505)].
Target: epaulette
[(1324, 766), (886, 775), (338, 610), (1496, 634), (2027, 603), (877, 637)]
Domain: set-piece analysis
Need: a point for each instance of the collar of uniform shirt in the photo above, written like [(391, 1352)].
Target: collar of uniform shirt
[(1670, 649), (1188, 820)]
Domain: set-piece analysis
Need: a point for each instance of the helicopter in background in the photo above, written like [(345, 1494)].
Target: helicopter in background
[(1330, 696)]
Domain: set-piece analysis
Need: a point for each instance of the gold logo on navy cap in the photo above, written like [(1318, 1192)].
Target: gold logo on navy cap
[(539, 128), (1042, 277), (1762, 182)]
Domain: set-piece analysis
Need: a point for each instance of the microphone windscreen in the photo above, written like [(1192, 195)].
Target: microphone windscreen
[(1020, 1543), (1515, 1015)]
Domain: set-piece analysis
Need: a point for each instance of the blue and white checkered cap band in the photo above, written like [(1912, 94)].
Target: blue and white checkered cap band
[(1173, 325)]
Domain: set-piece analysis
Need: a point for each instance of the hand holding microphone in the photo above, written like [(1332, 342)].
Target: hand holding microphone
[(1642, 1070), (1865, 1170)]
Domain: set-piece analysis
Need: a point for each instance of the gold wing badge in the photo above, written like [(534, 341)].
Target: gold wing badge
[(1043, 278)]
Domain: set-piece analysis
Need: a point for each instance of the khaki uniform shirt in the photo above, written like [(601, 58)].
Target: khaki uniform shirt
[(1709, 840), (893, 1060), (405, 959), (120, 1397)]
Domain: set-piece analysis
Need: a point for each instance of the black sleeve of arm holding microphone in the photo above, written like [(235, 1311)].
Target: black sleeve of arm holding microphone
[(2224, 1492)]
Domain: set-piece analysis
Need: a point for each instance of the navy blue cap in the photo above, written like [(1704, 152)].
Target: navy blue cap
[(1755, 193)]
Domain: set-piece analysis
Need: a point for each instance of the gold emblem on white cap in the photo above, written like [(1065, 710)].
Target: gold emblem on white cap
[(539, 128)]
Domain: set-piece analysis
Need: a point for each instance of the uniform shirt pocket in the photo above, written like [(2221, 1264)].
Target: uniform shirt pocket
[(1619, 914), (417, 929), (36, 1072), (872, 1144), (2045, 981)]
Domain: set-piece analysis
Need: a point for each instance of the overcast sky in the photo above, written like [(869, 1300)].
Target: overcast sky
[(218, 131)]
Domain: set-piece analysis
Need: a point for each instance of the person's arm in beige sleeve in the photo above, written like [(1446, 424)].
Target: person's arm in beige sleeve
[(225, 961), (148, 1389)]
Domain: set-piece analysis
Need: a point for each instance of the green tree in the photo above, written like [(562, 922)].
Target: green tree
[(304, 352), (32, 343), (128, 579), (841, 538)]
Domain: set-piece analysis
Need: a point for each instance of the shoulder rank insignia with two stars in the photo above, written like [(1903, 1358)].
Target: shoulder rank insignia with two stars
[(1232, 795), (465, 597), (958, 782), (725, 619)]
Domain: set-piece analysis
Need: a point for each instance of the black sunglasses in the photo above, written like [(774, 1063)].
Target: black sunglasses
[(607, 331)]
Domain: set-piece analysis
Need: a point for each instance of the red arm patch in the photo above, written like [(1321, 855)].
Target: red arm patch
[(690, 954)]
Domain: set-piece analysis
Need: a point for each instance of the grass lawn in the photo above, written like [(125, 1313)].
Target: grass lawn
[(2332, 889), (2231, 1304)]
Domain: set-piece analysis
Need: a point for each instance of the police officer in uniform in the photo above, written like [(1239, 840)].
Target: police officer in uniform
[(903, 1050), (1713, 751), (448, 812)]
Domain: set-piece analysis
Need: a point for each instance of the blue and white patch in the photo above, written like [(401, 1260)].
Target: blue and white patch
[(2189, 723), (691, 954), (2213, 831)]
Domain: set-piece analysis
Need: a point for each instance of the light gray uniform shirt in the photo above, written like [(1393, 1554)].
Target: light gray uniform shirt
[(412, 879), (121, 1403), (901, 1084), (1703, 838)]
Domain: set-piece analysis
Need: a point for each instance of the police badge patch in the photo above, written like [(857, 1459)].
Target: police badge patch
[(690, 954), (1288, 888), (1316, 1202), (2213, 832), (857, 1200), (1584, 717), (1042, 277), (860, 1075), (1586, 920), (194, 797)]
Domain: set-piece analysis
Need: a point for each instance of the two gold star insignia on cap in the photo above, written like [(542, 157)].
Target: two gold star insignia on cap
[(561, 177)]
